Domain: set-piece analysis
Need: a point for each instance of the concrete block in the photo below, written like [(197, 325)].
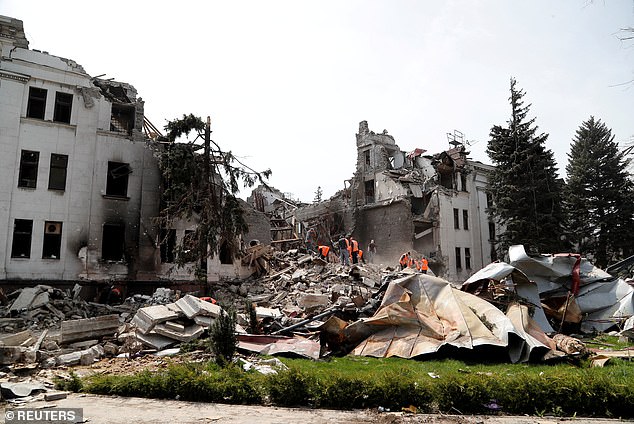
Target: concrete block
[(17, 339), (310, 301), (30, 298), (88, 328), (189, 333), (67, 359), (204, 321), (261, 312), (11, 354), (155, 341), (49, 397), (146, 318), (175, 326), (192, 306)]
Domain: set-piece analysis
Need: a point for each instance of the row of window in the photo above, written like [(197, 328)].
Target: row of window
[(465, 219), (112, 248), (36, 106), (116, 181)]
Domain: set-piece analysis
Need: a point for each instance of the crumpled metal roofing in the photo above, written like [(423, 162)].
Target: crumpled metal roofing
[(420, 314)]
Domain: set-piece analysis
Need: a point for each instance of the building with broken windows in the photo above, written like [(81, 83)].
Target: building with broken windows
[(433, 205), (82, 185)]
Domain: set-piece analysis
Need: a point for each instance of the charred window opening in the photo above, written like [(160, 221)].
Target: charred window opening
[(366, 158), (446, 180), (37, 103), (465, 219), (57, 173), (28, 169), (63, 107), (167, 245), (225, 254), (122, 118), (456, 219), (117, 181), (458, 260), (22, 231), (369, 191), (113, 242), (467, 258), (489, 200), (51, 247)]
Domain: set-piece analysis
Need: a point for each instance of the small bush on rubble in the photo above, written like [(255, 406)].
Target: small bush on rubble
[(223, 336)]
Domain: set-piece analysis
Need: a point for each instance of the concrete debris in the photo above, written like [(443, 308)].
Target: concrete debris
[(84, 329), (193, 306), (18, 390)]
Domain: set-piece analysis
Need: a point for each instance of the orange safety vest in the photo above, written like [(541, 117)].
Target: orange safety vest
[(404, 259), (424, 265), (323, 250), (353, 246)]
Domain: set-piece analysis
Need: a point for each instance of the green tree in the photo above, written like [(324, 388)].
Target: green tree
[(318, 195), (524, 187), (202, 187), (599, 195)]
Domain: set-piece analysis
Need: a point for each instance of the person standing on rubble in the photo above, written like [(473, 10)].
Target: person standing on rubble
[(354, 250), (371, 251), (343, 246), (311, 237), (424, 265)]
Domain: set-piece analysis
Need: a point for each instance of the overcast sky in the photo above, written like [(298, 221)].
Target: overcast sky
[(286, 83)]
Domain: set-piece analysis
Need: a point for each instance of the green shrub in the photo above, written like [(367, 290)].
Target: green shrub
[(223, 336)]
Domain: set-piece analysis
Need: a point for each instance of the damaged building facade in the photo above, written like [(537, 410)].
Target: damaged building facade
[(82, 184), (432, 205)]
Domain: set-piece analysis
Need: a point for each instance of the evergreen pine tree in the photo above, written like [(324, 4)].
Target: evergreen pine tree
[(599, 195), (524, 186)]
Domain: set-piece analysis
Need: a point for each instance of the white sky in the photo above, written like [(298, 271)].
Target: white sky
[(287, 82)]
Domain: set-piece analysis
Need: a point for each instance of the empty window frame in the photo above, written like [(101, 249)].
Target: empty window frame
[(467, 258), (22, 231), (465, 219), (37, 103), (51, 246), (369, 191), (57, 173), (491, 231), (456, 219), (463, 182), (113, 242), (168, 245), (458, 260), (122, 118), (28, 169), (63, 107), (366, 157), (117, 180), (190, 246), (225, 254)]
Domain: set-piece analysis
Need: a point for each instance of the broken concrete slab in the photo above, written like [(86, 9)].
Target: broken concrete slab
[(193, 306), (146, 318), (189, 333), (88, 328), (311, 301), (52, 396), (204, 321), (17, 339), (155, 341), (30, 298), (11, 354), (23, 389), (261, 312)]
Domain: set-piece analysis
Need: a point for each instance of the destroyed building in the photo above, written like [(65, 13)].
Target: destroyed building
[(82, 184), (430, 204)]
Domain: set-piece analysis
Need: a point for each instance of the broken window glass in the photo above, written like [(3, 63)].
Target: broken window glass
[(22, 230), (28, 169), (52, 243), (37, 103), (63, 106), (57, 173)]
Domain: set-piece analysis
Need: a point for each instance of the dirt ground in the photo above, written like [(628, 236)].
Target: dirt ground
[(120, 410)]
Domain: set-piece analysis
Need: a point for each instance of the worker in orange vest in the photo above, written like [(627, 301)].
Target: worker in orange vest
[(404, 261), (354, 250), (424, 265), (323, 252), (359, 256)]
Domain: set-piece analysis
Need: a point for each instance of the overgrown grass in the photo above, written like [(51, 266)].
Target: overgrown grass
[(431, 386)]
